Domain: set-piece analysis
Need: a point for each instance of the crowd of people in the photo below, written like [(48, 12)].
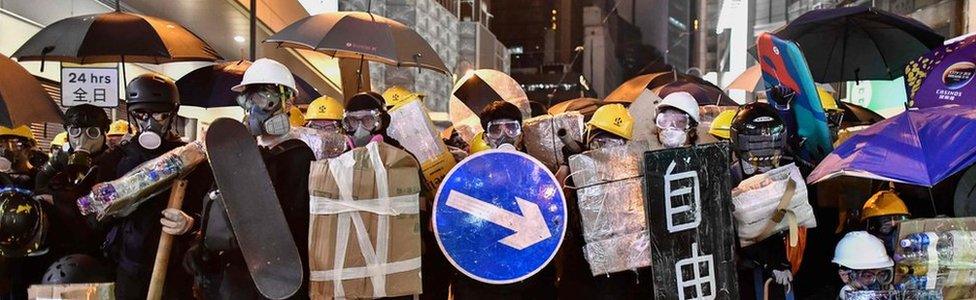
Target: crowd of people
[(45, 240)]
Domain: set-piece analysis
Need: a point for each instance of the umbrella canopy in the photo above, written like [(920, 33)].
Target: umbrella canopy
[(209, 86), (637, 87), (22, 99), (919, 146), (944, 76), (361, 35), (480, 87), (856, 115), (858, 43), (115, 37), (748, 81), (705, 94), (585, 106)]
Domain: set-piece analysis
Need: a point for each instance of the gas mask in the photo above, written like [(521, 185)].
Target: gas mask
[(84, 142), (153, 126), (14, 152), (361, 126), (265, 109), (672, 128), (503, 131)]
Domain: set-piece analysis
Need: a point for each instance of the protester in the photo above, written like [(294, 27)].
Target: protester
[(216, 259), (131, 242), (677, 120), (366, 120), (16, 147), (23, 233), (611, 126), (118, 131), (324, 117), (57, 143), (882, 214), (502, 122), (864, 264)]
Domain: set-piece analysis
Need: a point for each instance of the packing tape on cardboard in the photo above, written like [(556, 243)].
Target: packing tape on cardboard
[(376, 261), (392, 206), (368, 271)]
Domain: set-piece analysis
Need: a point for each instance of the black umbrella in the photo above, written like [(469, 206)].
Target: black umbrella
[(705, 93), (361, 35), (209, 86), (22, 98), (856, 115), (858, 43), (115, 37)]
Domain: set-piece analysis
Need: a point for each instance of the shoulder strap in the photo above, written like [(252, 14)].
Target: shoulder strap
[(780, 212)]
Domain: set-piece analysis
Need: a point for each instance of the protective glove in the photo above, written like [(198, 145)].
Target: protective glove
[(175, 221), (783, 277)]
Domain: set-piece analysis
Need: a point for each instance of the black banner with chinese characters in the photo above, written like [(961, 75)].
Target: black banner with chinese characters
[(689, 216)]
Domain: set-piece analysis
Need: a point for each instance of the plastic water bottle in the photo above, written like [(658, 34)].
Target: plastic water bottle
[(916, 241), (911, 257), (913, 283), (956, 249), (915, 269)]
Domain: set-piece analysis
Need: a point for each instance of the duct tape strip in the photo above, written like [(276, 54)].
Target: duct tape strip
[(348, 210)]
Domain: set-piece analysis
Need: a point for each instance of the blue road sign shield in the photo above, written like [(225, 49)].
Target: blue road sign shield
[(499, 216)]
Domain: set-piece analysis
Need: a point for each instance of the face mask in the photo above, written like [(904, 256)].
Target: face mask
[(152, 127), (361, 137), (672, 137), (86, 139), (5, 165), (265, 109)]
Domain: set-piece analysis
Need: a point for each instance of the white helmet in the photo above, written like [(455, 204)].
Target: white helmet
[(682, 101), (267, 71), (859, 250)]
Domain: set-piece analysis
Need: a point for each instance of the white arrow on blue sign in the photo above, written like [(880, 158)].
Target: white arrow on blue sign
[(499, 216)]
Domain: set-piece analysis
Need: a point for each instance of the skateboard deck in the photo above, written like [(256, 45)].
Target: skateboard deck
[(253, 209)]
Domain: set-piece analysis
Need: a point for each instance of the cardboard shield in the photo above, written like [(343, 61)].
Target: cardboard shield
[(689, 216)]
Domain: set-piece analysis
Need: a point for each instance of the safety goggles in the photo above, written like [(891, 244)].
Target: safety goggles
[(367, 119), (145, 116), (871, 277), (14, 144), (325, 125), (91, 132), (884, 224), (605, 141), (267, 97), (672, 119), (498, 128)]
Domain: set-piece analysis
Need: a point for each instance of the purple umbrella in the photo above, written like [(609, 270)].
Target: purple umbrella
[(920, 147)]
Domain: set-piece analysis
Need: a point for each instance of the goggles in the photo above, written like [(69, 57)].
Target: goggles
[(870, 277), (499, 128), (884, 224), (14, 144), (90, 132), (605, 141), (367, 119), (326, 125), (267, 97), (672, 119), (145, 116)]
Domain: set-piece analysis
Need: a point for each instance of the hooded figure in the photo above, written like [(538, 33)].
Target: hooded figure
[(216, 260), (131, 242)]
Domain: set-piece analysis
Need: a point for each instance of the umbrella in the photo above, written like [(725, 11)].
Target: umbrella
[(705, 94), (480, 87), (748, 81), (210, 86), (919, 146), (636, 88), (944, 76), (22, 99), (856, 115), (585, 106), (858, 43), (115, 37), (360, 35)]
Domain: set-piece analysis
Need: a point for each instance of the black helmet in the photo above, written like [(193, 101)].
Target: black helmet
[(758, 134), (23, 225), (86, 115), (76, 268), (152, 92)]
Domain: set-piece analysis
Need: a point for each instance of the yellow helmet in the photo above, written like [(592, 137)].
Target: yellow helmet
[(722, 123), (119, 127), (478, 144), (883, 203), (59, 140), (295, 117), (22, 131), (827, 100), (324, 108), (613, 118), (396, 95)]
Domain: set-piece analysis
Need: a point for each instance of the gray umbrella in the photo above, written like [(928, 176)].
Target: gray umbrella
[(360, 35)]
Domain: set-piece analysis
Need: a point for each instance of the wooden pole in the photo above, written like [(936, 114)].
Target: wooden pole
[(165, 244)]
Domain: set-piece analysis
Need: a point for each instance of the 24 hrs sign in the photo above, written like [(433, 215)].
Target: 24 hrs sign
[(95, 86)]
